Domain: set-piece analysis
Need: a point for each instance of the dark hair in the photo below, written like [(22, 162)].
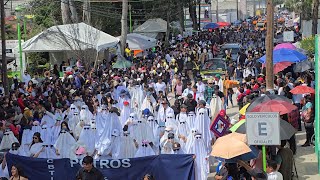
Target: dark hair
[(39, 136), (19, 169), (87, 160), (150, 177), (64, 123), (271, 163)]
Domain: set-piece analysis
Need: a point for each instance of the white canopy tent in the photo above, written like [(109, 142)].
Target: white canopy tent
[(140, 42), (70, 37), (152, 27)]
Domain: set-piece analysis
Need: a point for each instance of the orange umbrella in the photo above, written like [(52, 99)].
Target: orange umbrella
[(302, 89), (235, 146), (281, 66)]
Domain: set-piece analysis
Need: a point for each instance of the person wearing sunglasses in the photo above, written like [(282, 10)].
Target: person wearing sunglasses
[(36, 147)]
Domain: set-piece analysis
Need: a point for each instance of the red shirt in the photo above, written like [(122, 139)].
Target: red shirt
[(14, 129)]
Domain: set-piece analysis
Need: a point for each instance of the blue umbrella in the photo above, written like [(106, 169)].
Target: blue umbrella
[(211, 26), (281, 55), (244, 157)]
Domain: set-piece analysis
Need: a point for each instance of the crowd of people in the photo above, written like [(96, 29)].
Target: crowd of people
[(161, 105)]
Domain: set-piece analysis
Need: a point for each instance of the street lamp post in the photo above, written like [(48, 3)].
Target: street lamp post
[(19, 11)]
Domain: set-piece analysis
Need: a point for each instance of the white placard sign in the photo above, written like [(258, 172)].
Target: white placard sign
[(288, 36), (263, 128)]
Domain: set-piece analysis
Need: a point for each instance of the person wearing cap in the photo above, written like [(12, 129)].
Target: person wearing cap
[(190, 103), (219, 82), (209, 91), (187, 90), (88, 171)]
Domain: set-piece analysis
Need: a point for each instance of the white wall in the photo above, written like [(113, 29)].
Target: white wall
[(306, 28)]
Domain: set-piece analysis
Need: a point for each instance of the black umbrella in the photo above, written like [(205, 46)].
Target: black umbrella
[(266, 98)]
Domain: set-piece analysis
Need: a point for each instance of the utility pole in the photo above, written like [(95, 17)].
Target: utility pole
[(269, 46), (254, 7), (168, 22), (199, 14), (237, 7), (130, 19), (217, 11), (124, 26), (3, 44)]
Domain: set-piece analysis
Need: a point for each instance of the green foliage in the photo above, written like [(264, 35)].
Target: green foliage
[(47, 12), (308, 44), (300, 6)]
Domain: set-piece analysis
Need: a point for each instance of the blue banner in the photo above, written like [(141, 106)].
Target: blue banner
[(165, 166)]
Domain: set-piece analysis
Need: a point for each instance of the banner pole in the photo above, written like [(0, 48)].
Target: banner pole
[(264, 158)]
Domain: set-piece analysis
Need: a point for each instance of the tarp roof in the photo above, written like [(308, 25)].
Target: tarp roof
[(69, 37), (140, 42), (152, 26)]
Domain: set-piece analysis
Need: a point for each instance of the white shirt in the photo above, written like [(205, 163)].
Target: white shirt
[(26, 78), (160, 87), (275, 176), (186, 92), (201, 87)]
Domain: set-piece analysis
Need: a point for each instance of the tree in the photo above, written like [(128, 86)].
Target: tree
[(124, 25), (315, 16), (300, 6)]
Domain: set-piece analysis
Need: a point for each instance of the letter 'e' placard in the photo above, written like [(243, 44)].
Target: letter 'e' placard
[(263, 128)]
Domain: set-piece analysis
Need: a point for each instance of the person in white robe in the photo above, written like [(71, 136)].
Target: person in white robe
[(140, 130), (149, 103), (125, 107), (16, 150), (56, 130), (26, 141), (215, 105), (127, 146), (153, 124), (198, 148), (137, 96), (70, 112), (36, 127), (87, 137), (171, 121), (46, 134), (202, 124), (190, 139), (144, 150), (164, 109), (48, 152), (36, 147), (64, 144), (183, 132), (167, 146), (115, 144), (105, 123), (218, 81), (73, 122), (191, 119), (85, 114), (48, 119), (78, 129), (7, 140)]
